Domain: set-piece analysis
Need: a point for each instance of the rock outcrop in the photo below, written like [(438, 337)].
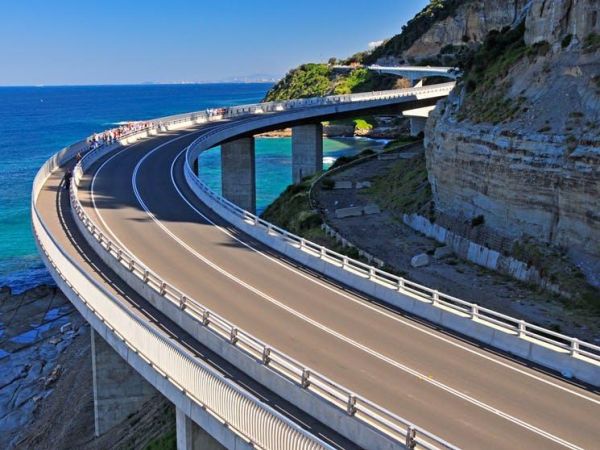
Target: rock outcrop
[(537, 173), (469, 24), (460, 23), (552, 20)]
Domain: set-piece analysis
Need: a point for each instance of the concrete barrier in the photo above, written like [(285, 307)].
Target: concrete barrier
[(546, 355), (353, 211)]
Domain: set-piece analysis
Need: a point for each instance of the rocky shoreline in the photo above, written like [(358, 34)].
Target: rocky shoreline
[(46, 397)]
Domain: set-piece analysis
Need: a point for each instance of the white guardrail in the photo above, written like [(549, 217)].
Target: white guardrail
[(244, 414), (399, 429), (574, 346)]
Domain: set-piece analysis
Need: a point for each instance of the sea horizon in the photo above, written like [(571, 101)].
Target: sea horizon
[(33, 127)]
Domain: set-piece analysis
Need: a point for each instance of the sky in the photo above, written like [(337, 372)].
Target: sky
[(64, 42)]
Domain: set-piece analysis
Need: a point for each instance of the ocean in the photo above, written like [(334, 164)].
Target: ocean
[(36, 122)]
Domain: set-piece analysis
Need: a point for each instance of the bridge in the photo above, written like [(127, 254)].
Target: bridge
[(264, 339), (412, 73)]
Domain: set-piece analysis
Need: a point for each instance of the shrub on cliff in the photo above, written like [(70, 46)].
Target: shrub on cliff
[(308, 80), (437, 10)]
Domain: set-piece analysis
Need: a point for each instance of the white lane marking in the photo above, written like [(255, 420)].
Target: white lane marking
[(332, 332), (378, 310), (108, 229)]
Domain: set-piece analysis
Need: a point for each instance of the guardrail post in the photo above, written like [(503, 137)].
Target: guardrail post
[(119, 254), (411, 438), (131, 265), (522, 328), (574, 346), (206, 318), (269, 229), (182, 301), (163, 288), (233, 336), (474, 311), (400, 284), (302, 243), (145, 279), (266, 355), (435, 297), (344, 262), (351, 405), (323, 252), (304, 381), (371, 273)]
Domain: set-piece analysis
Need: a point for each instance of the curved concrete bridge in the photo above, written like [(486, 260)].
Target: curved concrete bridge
[(263, 339)]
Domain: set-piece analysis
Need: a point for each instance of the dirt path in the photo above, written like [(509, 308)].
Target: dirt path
[(387, 238)]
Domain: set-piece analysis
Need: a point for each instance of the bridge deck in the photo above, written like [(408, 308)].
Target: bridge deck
[(470, 396), (54, 208)]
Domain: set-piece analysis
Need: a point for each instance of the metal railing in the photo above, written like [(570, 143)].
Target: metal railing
[(390, 423), (244, 414), (523, 329), (436, 298), (362, 409)]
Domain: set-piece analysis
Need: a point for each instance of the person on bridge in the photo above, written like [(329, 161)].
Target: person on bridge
[(68, 177)]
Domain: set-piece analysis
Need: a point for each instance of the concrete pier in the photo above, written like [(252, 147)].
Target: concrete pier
[(307, 151), (417, 125), (190, 436), (119, 390), (196, 166), (238, 175)]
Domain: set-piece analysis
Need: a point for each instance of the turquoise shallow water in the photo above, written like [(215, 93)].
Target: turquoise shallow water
[(35, 122)]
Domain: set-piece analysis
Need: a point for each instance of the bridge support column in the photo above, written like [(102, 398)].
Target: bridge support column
[(190, 436), (119, 390), (196, 166), (238, 175), (417, 125), (307, 151)]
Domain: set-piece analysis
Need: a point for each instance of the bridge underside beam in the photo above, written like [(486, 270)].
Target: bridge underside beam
[(119, 390), (238, 175), (307, 151)]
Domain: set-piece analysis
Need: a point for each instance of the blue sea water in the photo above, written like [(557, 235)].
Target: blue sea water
[(36, 122)]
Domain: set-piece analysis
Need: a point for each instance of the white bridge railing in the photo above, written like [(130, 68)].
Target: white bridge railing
[(574, 346), (398, 428), (244, 414)]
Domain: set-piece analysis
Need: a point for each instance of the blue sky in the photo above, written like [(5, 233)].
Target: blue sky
[(106, 42)]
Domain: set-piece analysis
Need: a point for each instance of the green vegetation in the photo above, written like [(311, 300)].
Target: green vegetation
[(591, 43), (166, 442), (566, 41), (310, 80), (485, 71), (437, 10), (292, 211), (554, 264), (404, 188)]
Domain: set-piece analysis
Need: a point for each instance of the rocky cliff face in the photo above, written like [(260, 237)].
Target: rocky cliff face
[(467, 24), (552, 20), (538, 172), (470, 24)]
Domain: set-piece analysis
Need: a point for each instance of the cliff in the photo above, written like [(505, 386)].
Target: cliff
[(443, 27), (518, 143)]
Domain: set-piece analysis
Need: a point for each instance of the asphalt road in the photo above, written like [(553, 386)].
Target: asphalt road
[(468, 395), (54, 208)]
